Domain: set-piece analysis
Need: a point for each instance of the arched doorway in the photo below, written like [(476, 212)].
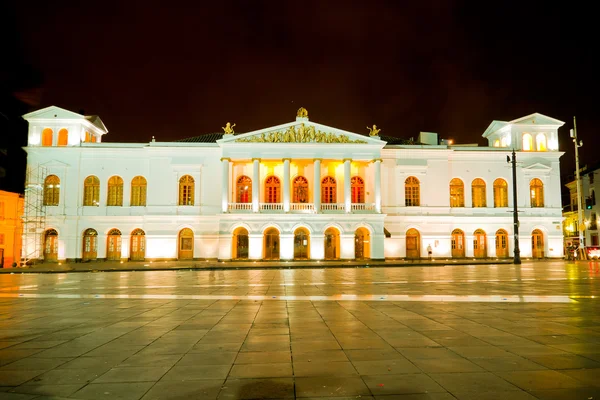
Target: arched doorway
[(479, 244), (271, 239), (113, 245), (138, 245), (332, 244), (501, 244), (301, 244), (51, 246), (240, 244), (272, 190), (357, 189), (458, 244), (186, 244), (90, 244), (413, 244), (362, 244), (244, 190), (537, 244)]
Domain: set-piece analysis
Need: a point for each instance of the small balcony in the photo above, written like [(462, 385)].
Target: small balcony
[(303, 208), (240, 207)]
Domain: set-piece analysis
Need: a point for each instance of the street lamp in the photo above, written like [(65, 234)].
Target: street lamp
[(517, 259), (580, 249)]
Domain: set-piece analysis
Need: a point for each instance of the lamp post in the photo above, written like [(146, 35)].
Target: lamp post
[(517, 259), (581, 226)]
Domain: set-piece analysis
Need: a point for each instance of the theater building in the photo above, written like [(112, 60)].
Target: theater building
[(295, 191)]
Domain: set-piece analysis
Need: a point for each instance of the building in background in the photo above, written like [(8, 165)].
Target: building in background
[(294, 191), (11, 210)]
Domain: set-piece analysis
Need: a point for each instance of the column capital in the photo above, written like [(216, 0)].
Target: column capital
[(288, 159), (377, 159), (347, 159), (256, 159), (225, 159), (317, 159)]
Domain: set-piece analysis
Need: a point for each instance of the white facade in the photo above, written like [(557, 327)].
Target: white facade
[(296, 152)]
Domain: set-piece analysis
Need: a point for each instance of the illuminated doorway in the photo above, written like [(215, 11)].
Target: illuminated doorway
[(479, 244), (501, 244), (113, 245), (332, 244), (537, 244), (413, 244), (458, 244), (362, 244), (301, 244), (138, 245), (90, 245), (240, 244), (51, 246), (271, 239), (186, 244)]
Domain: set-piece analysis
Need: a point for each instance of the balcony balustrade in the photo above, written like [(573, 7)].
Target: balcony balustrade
[(302, 207), (332, 207), (363, 207), (240, 207), (270, 207)]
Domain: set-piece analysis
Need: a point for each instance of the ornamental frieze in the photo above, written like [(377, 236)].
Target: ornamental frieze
[(299, 134)]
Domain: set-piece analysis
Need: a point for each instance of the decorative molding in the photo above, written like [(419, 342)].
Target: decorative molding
[(300, 134)]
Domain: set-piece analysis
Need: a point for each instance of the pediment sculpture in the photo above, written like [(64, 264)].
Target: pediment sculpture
[(299, 134)]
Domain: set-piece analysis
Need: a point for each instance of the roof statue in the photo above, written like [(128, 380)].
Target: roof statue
[(302, 113), (228, 129), (374, 131)]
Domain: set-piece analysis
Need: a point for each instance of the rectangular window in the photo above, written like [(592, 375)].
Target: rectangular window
[(1, 239), (593, 222), (594, 238)]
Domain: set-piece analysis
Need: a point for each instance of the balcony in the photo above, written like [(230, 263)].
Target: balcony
[(363, 207), (240, 207), (302, 208), (332, 207), (306, 208)]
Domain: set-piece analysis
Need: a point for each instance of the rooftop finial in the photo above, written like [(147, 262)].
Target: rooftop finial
[(302, 113), (228, 129), (154, 140)]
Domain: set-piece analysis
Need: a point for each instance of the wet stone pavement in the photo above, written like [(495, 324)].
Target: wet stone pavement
[(457, 332)]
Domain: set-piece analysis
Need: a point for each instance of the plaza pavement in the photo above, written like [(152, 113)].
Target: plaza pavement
[(495, 331)]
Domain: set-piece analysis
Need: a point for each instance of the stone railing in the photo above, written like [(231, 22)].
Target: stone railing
[(332, 206), (271, 207), (302, 207), (240, 207), (363, 206)]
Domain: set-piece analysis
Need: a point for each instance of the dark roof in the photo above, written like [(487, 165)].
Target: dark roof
[(396, 140), (206, 138)]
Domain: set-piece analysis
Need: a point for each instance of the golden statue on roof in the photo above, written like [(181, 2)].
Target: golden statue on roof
[(228, 129), (374, 131), (302, 113)]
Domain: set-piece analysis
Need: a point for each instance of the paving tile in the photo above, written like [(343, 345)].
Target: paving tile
[(196, 372), (18, 396), (385, 367), (270, 370), (510, 363), (48, 389), (207, 358), (304, 347), (331, 368), (373, 355), (262, 357), (132, 374), (477, 382), (512, 395), (591, 377), (18, 377), (567, 394), (401, 384), (35, 363), (564, 361), (113, 391), (540, 380), (429, 365), (92, 363), (178, 390), (273, 388), (70, 376), (320, 356), (331, 386)]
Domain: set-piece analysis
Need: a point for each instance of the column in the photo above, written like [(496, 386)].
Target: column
[(225, 184), (347, 194), (317, 185), (255, 184), (286, 185), (378, 186)]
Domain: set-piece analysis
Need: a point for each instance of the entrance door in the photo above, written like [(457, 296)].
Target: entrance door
[(90, 245), (138, 245), (458, 244), (537, 244), (240, 241), (113, 248), (361, 244), (479, 244), (301, 238), (501, 244), (271, 244), (186, 244), (332, 243), (413, 245), (51, 246)]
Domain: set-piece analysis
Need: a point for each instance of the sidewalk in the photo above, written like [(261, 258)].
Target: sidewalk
[(107, 266)]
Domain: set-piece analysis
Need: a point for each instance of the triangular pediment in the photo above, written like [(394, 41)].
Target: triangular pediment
[(537, 167), (301, 132), (52, 112), (537, 119)]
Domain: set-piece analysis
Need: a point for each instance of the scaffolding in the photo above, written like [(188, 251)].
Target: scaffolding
[(34, 215)]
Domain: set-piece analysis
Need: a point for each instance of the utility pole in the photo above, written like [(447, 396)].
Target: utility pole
[(517, 259), (580, 225)]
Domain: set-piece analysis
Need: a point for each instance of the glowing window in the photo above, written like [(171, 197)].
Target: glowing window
[(496, 143), (412, 192), (540, 140), (357, 188), (300, 189), (328, 190), (51, 190), (478, 193), (115, 191), (457, 193), (244, 189), (63, 137), (186, 191), (272, 186), (47, 137), (91, 191), (138, 191), (500, 193), (536, 190), (527, 142), (504, 142)]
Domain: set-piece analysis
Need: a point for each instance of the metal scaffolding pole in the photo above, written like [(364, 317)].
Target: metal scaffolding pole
[(34, 215), (581, 226)]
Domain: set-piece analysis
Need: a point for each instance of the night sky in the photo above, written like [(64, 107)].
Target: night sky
[(180, 70)]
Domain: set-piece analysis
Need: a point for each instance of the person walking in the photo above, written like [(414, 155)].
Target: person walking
[(429, 251)]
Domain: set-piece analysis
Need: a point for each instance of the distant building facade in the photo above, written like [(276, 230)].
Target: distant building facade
[(11, 210), (299, 190)]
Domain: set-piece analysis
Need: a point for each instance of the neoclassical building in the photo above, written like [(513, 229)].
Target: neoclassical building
[(299, 190)]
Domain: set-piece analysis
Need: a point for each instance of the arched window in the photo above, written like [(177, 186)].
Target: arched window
[(90, 244), (412, 192), (240, 244), (497, 143), (47, 135), (357, 187), (504, 142), (91, 191), (457, 193), (138, 191), (478, 193), (244, 190), (527, 142), (63, 137), (51, 245), (115, 192), (113, 245), (51, 190), (138, 245), (458, 243), (300, 190), (479, 244), (536, 190), (500, 193), (501, 243), (88, 137), (328, 190), (186, 191), (272, 186), (540, 141)]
